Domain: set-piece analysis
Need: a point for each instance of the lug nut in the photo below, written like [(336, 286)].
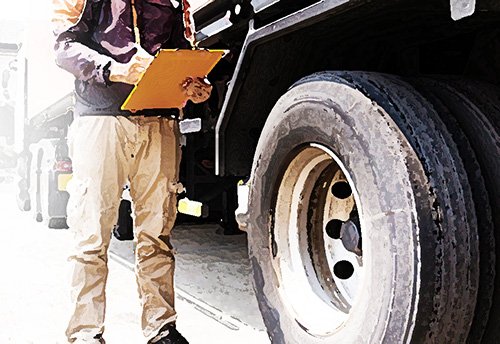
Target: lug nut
[(351, 237)]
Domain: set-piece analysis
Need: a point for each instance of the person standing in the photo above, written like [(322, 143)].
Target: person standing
[(107, 45)]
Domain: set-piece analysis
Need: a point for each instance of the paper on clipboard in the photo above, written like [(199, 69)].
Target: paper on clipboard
[(160, 86)]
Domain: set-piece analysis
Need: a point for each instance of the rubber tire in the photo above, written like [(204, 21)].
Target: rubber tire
[(418, 214), (471, 111)]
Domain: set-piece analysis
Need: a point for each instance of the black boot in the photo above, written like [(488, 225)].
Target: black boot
[(169, 335), (101, 340)]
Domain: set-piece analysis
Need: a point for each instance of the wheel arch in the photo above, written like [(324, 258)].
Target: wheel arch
[(334, 35)]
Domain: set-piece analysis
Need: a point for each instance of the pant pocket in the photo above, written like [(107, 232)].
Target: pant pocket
[(169, 213), (77, 190)]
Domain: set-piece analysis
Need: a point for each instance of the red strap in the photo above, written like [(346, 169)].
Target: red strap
[(188, 23)]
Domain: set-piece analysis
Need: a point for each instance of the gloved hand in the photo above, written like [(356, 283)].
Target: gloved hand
[(131, 72), (197, 90)]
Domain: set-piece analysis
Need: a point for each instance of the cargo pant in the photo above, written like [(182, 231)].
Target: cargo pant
[(107, 152)]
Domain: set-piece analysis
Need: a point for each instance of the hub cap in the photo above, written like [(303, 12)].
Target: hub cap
[(317, 241)]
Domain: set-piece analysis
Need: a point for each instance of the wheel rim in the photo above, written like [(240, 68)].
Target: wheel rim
[(317, 240)]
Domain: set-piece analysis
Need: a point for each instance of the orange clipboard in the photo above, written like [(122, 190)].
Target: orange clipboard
[(160, 86)]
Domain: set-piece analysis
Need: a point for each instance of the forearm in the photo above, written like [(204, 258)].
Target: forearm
[(83, 62), (71, 29)]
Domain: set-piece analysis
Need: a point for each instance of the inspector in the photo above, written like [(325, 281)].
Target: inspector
[(107, 46)]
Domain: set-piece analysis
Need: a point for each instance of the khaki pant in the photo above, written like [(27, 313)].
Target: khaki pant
[(107, 152)]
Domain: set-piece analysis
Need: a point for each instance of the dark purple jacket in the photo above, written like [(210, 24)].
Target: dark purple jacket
[(91, 33)]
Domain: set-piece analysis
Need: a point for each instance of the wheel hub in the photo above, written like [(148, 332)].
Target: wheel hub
[(318, 240)]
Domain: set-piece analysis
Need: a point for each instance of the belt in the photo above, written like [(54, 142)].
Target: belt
[(167, 113), (170, 113)]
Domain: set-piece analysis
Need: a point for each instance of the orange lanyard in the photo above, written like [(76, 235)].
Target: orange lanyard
[(137, 34)]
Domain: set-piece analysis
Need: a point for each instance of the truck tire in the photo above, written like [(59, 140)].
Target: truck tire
[(471, 112), (362, 227)]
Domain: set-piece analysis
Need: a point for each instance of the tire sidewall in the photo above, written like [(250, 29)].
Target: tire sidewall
[(377, 158)]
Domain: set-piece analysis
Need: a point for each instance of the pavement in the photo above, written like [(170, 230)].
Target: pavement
[(212, 269), (34, 289)]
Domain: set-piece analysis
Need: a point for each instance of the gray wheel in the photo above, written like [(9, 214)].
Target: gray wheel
[(362, 227)]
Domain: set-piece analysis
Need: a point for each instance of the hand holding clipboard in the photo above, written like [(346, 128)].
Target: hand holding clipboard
[(171, 79)]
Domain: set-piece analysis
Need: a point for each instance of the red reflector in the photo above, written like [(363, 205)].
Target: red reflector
[(63, 166)]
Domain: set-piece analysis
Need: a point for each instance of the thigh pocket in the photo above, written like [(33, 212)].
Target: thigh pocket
[(169, 212), (77, 189)]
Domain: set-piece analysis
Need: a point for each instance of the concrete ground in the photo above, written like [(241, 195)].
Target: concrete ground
[(34, 291), (212, 269)]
